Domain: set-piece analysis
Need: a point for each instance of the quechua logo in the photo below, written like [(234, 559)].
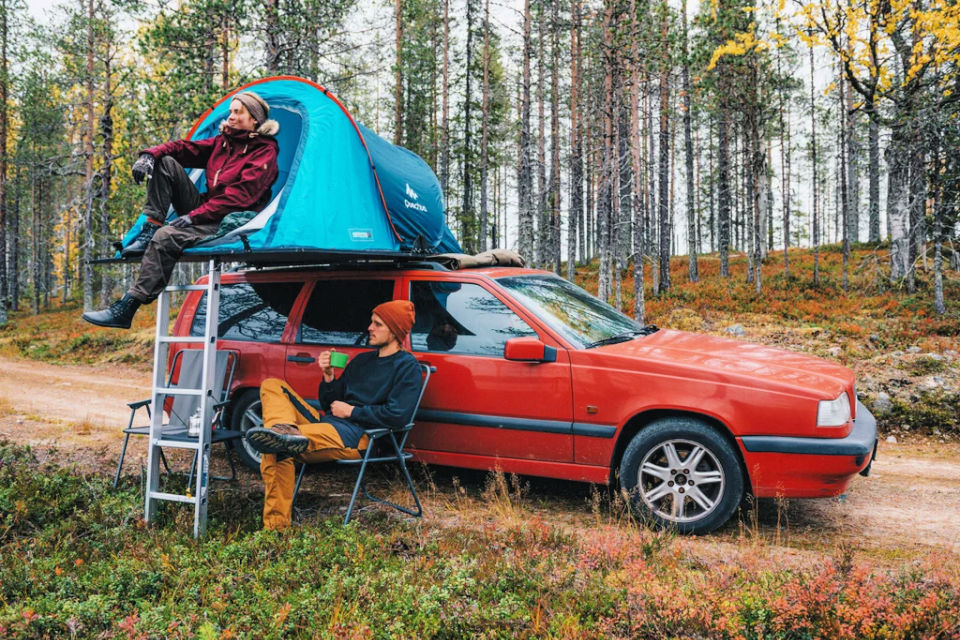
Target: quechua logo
[(411, 197)]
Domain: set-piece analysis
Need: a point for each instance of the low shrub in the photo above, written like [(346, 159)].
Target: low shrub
[(75, 561)]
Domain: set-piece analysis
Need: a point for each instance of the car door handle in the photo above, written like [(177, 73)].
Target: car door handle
[(305, 359)]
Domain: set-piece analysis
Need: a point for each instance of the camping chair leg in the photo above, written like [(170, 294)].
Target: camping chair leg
[(163, 459), (296, 487), (123, 454), (418, 513), (233, 469), (193, 465), (359, 483)]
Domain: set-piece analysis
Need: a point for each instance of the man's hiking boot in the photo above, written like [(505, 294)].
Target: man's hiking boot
[(281, 439), (139, 244), (118, 315)]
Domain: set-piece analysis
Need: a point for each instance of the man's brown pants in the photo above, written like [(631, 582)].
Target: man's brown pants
[(280, 405)]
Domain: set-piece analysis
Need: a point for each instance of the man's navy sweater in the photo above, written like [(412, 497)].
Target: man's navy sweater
[(383, 392)]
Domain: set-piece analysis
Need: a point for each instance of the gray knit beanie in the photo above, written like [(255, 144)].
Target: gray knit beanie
[(256, 105)]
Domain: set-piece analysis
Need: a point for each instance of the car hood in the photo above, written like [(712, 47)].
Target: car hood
[(708, 356)]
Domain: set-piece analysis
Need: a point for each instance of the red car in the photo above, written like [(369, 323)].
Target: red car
[(536, 376)]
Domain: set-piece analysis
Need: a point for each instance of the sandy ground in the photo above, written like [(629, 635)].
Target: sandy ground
[(909, 506)]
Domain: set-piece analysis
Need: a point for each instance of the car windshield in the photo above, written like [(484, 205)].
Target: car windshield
[(579, 317)]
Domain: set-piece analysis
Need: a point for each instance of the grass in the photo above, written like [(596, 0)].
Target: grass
[(76, 562), (60, 335)]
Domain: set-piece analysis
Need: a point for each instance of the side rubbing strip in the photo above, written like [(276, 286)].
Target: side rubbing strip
[(516, 424), (495, 422), (594, 430)]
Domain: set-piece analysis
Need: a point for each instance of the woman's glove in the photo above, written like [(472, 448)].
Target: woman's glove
[(143, 167)]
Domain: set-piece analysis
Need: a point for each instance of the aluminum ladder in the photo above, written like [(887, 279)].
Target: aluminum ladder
[(197, 495)]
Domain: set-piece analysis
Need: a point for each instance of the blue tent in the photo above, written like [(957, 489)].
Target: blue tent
[(341, 187)]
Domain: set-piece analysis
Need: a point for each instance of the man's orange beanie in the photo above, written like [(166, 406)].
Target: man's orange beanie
[(398, 315)]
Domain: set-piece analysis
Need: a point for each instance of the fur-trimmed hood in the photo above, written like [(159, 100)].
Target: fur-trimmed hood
[(268, 128)]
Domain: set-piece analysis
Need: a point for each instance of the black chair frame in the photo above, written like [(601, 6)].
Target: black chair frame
[(393, 440), (218, 435)]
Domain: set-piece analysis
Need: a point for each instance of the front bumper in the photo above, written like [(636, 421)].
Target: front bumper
[(810, 467)]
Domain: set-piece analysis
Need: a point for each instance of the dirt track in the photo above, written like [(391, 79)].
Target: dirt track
[(909, 504)]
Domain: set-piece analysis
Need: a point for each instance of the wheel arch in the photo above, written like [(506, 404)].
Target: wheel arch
[(234, 396), (642, 420)]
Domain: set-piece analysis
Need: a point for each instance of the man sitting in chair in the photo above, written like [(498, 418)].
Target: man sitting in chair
[(378, 389), (241, 166)]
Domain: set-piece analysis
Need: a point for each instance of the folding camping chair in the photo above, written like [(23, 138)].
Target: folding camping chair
[(184, 406), (385, 446)]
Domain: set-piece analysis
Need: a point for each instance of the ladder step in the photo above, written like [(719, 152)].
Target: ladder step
[(187, 287), (178, 444), (173, 497), (185, 339), (176, 391)]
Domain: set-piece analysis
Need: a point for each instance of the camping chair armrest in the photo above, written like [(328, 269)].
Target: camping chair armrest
[(138, 404), (376, 433)]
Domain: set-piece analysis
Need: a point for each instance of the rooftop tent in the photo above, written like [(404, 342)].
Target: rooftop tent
[(340, 187)]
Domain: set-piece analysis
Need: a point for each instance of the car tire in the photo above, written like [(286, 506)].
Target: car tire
[(711, 483), (244, 415)]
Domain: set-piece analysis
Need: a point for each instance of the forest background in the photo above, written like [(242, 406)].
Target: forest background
[(620, 131), (785, 171)]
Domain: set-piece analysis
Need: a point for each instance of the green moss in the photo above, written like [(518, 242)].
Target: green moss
[(927, 365), (928, 411)]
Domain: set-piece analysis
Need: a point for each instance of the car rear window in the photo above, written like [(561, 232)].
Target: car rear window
[(338, 312), (253, 312)]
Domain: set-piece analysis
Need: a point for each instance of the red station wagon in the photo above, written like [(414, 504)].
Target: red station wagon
[(536, 376)]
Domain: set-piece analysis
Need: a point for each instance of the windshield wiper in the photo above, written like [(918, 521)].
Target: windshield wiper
[(623, 337)]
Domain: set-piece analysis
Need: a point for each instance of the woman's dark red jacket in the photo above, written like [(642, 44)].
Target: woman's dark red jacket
[(241, 167)]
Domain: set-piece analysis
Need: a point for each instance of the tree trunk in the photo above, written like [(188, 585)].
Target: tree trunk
[(814, 170), (4, 26), (938, 303), (525, 188), (36, 259), (605, 205), (13, 258), (88, 239), (853, 170), (688, 148), (666, 231), (576, 153), (639, 302), (898, 206), (398, 71), (712, 187), (484, 124), (273, 37), (555, 199), (844, 173), (874, 169), (225, 54), (784, 114), (723, 195), (106, 176), (759, 170), (653, 232), (445, 117), (542, 232), (466, 213)]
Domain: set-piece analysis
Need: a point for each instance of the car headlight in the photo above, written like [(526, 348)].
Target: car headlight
[(834, 413)]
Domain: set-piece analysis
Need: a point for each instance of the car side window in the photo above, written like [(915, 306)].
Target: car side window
[(255, 312), (338, 312), (461, 317)]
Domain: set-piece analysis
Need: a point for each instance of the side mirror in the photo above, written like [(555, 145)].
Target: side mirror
[(528, 350)]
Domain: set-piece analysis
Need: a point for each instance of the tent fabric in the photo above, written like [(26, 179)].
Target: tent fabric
[(340, 187)]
